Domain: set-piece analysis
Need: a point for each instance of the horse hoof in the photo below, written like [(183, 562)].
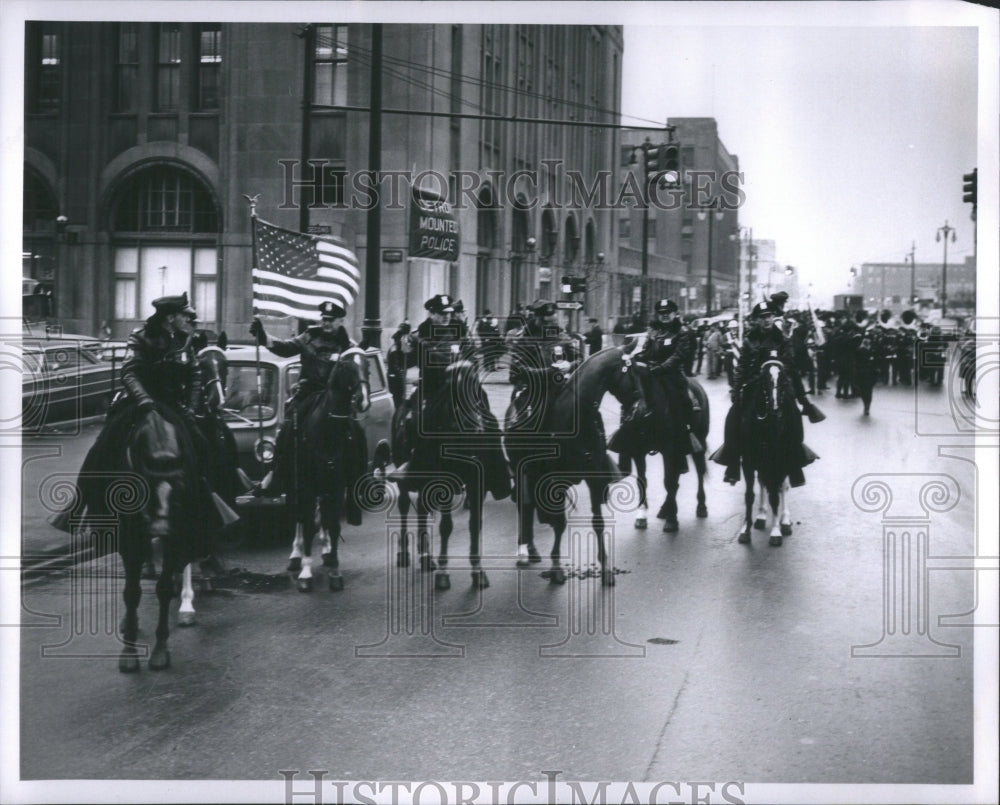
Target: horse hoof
[(744, 537), (328, 560), (640, 522), (557, 575), (775, 541), (402, 559), (533, 555), (671, 526), (479, 579), (608, 578), (305, 585), (294, 565), (336, 583), (442, 581), (185, 619), (427, 563), (128, 663), (662, 513), (759, 523), (159, 660), (786, 529), (701, 511)]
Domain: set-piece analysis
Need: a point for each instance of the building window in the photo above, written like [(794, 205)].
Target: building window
[(209, 66), (625, 228), (43, 68), (332, 178), (164, 199), (39, 205), (127, 67), (166, 242), (330, 65), (168, 66)]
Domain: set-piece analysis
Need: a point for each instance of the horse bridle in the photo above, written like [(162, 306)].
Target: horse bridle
[(357, 354), (768, 364)]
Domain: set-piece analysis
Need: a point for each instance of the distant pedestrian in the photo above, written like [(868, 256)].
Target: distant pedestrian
[(594, 337)]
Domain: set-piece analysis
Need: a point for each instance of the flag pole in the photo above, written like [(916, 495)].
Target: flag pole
[(253, 247)]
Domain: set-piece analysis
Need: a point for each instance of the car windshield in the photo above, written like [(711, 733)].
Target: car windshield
[(242, 399)]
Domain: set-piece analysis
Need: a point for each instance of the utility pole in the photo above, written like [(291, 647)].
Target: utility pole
[(947, 230), (913, 271), (372, 327)]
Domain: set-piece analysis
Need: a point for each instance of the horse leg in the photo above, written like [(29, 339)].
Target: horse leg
[(597, 523), (185, 615), (479, 579), (526, 552), (748, 500), (701, 468), (128, 662), (760, 521), (785, 520), (307, 527), (671, 480), (329, 507), (403, 552), (442, 581), (641, 519), (427, 563), (556, 573), (159, 660), (295, 557), (774, 498)]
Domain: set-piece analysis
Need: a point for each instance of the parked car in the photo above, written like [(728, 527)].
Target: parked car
[(255, 418), (65, 378)]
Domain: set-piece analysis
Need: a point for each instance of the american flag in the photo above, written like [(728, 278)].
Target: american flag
[(294, 272)]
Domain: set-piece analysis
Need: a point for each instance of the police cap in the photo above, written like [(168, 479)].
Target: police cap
[(666, 306), (761, 309), (778, 301), (542, 307), (331, 310), (439, 303), (167, 305)]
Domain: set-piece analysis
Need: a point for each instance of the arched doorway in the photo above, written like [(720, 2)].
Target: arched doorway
[(164, 223)]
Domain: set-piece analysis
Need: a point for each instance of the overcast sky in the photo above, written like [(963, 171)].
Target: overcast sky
[(853, 140)]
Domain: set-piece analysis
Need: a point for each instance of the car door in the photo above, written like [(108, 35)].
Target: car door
[(377, 420)]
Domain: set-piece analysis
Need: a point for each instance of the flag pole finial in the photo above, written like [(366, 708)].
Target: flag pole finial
[(252, 201)]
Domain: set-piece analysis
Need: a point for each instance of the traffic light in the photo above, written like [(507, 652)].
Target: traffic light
[(670, 163), (652, 156), (969, 190)]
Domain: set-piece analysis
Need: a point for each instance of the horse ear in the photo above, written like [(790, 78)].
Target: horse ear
[(223, 340)]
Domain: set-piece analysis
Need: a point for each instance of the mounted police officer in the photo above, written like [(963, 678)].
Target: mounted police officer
[(160, 371), (542, 355), (669, 349), (319, 347), (763, 339)]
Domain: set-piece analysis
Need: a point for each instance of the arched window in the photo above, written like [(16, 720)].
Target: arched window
[(165, 225), (572, 245), (588, 244), (38, 247), (550, 235)]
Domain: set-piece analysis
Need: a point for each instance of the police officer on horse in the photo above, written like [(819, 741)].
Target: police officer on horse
[(761, 341), (319, 347), (160, 371), (669, 348), (542, 355)]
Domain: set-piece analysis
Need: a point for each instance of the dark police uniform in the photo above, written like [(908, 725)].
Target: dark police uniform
[(160, 370), (532, 353), (318, 350), (668, 352)]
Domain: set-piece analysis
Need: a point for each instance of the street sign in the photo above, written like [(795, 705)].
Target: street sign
[(392, 255), (569, 305), (319, 229)]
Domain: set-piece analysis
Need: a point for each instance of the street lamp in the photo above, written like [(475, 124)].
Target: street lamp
[(948, 230), (712, 210)]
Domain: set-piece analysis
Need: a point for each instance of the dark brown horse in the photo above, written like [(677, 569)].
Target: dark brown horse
[(330, 456), (665, 433), (556, 441), (451, 446)]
